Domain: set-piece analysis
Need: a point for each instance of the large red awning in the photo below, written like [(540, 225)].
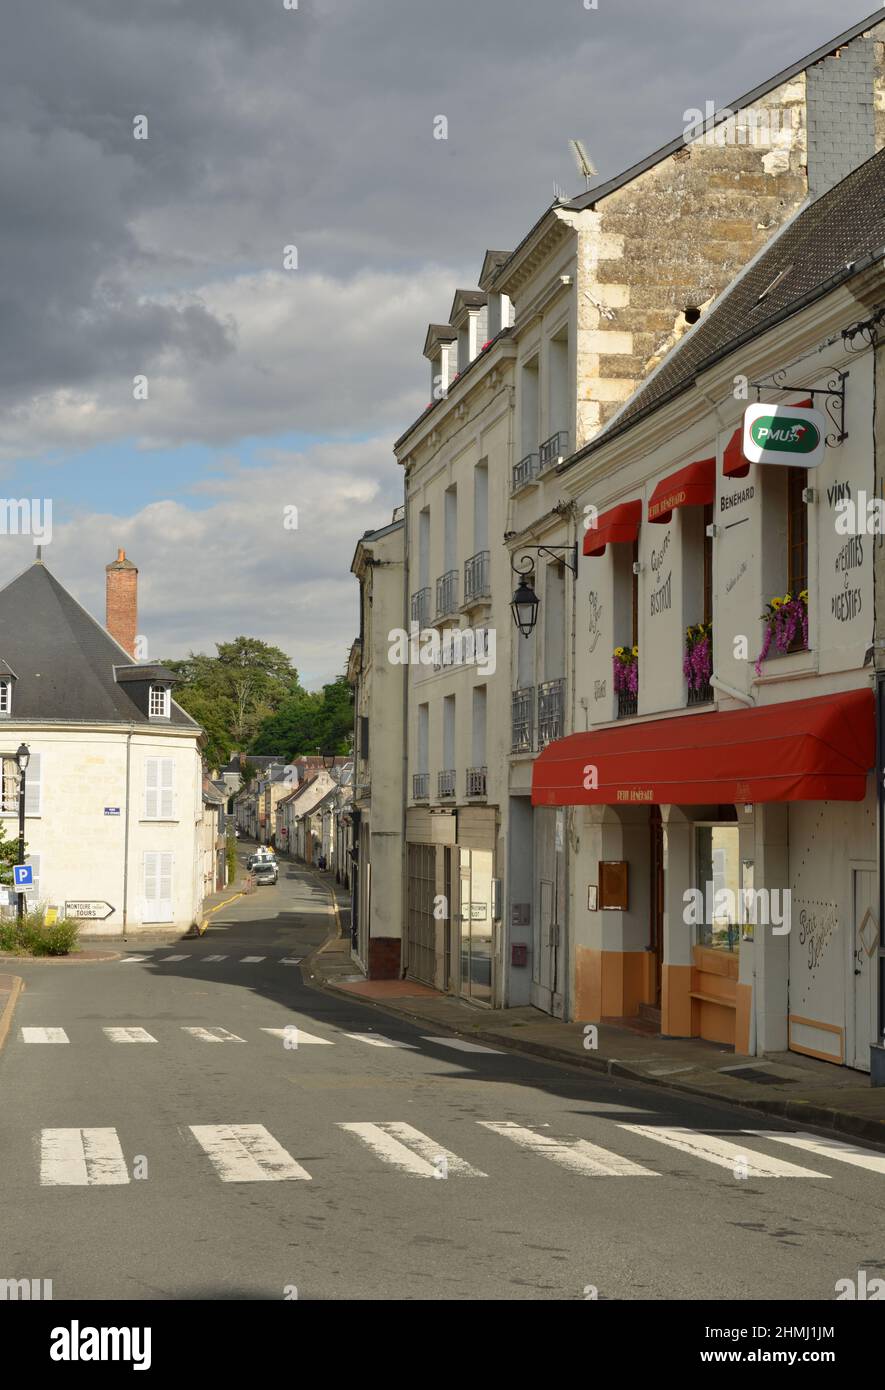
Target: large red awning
[(800, 750), (693, 486), (620, 525)]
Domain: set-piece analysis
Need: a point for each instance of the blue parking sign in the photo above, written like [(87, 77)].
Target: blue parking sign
[(23, 875)]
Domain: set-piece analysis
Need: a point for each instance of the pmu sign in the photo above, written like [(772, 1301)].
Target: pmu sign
[(790, 435)]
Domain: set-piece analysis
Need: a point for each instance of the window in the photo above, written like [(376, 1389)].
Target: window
[(159, 789), (6, 697), (797, 540), (159, 702), (157, 899), (717, 878), (708, 566), (635, 594), (364, 737), (32, 786)]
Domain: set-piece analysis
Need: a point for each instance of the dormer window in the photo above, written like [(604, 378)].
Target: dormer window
[(159, 702), (5, 697)]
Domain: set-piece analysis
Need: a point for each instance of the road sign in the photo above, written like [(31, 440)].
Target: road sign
[(23, 875), (89, 910), (789, 435)]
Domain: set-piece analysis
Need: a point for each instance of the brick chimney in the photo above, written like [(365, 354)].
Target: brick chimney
[(122, 601)]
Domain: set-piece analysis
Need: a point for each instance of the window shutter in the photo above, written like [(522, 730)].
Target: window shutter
[(33, 894), (151, 791), (32, 786), (167, 788)]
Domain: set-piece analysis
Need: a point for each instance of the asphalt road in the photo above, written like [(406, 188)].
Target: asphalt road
[(270, 1151)]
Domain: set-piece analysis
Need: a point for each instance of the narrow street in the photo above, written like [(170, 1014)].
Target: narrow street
[(194, 1120)]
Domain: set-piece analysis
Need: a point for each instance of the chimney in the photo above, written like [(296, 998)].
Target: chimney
[(122, 601)]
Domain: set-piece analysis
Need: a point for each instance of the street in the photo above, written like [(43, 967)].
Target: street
[(193, 1120)]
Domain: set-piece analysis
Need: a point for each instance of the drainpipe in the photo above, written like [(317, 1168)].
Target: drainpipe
[(740, 695), (126, 836)]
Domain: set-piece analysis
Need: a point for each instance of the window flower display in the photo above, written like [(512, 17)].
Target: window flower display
[(697, 661), (625, 670), (785, 618)]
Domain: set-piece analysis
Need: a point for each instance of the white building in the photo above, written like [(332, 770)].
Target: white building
[(114, 803)]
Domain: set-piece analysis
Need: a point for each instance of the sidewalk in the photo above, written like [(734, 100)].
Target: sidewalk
[(783, 1084)]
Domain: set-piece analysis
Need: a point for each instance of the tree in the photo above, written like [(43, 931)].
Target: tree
[(234, 693), (310, 720)]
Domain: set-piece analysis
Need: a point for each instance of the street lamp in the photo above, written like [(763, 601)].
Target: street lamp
[(22, 758), (329, 761), (525, 603)]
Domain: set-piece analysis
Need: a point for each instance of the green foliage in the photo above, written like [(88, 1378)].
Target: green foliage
[(310, 720), (32, 937), (233, 693), (8, 855)]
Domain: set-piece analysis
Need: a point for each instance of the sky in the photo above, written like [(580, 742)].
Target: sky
[(167, 382)]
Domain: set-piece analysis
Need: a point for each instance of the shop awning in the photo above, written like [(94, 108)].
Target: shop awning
[(693, 486), (799, 750), (734, 464), (619, 525)]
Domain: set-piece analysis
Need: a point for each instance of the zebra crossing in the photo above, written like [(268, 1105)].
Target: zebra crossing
[(245, 1153), (214, 959), (292, 1035)]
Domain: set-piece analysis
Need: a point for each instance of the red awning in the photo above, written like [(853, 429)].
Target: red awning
[(620, 525), (800, 750), (734, 465), (693, 486)]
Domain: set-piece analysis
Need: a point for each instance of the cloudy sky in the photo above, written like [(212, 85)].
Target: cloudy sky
[(163, 258)]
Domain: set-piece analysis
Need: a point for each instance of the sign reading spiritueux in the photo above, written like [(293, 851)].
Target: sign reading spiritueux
[(792, 436)]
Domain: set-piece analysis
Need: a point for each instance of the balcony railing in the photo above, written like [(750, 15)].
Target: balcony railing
[(421, 607), (476, 576), (701, 695), (553, 449), (550, 711), (627, 704), (445, 783), (447, 594), (524, 472), (476, 781), (420, 786), (522, 712)]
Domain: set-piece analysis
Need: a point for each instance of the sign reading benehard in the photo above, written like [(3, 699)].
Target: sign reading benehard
[(792, 436), (89, 911)]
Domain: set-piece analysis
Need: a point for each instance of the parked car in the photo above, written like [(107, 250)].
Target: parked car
[(262, 856), (266, 872)]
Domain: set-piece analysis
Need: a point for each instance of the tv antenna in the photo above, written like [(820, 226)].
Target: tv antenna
[(584, 162)]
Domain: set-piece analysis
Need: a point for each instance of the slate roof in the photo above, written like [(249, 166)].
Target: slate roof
[(820, 246), (63, 659)]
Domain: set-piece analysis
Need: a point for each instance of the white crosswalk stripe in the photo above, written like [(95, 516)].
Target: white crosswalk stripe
[(214, 959), (411, 1151), (81, 1158), (461, 1045), (296, 1036), (294, 960), (252, 960), (213, 1035), (128, 1035), (378, 1040), (576, 1154), (713, 1149), (826, 1148), (127, 960), (247, 1153), (44, 1035), (186, 957)]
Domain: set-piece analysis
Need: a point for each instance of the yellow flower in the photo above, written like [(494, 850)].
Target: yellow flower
[(619, 651), (788, 598), (804, 595), (777, 603), (635, 651)]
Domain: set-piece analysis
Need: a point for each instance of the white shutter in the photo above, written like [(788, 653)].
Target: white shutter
[(32, 895), (151, 789), (33, 786), (159, 789), (157, 887), (167, 788)]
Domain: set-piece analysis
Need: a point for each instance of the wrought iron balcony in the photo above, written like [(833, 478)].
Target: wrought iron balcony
[(445, 783), (522, 719), (421, 607), (701, 695), (476, 576), (476, 781), (554, 449), (524, 472), (627, 704), (551, 696), (447, 594), (420, 786)]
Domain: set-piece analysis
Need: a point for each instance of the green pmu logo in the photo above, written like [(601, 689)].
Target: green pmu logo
[(783, 434)]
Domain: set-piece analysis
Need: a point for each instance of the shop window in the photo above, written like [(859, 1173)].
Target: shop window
[(717, 879)]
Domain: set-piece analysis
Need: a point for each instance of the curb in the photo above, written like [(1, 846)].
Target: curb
[(18, 985), (201, 926)]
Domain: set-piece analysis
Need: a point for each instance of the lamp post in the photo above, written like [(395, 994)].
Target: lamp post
[(525, 603), (22, 758), (328, 760)]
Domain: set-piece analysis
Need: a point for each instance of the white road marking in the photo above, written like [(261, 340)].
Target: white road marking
[(827, 1148), (44, 1035), (378, 1040), (128, 1035), (173, 957), (214, 958), (247, 1153), (127, 959), (410, 1151), (713, 1149), (462, 1045), (576, 1154), (252, 960), (298, 1035), (295, 960), (81, 1158), (213, 1035)]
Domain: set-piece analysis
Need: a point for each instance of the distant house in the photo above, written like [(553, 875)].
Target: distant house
[(113, 789)]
